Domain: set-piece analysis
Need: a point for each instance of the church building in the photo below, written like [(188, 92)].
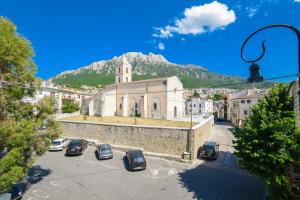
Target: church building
[(160, 98)]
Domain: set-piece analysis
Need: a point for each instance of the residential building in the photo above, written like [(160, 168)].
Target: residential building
[(199, 106), (219, 109), (59, 93), (239, 105)]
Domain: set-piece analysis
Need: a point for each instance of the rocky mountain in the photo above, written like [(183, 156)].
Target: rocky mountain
[(149, 66)]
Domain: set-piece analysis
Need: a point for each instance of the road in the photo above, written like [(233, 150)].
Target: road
[(56, 177), (226, 160)]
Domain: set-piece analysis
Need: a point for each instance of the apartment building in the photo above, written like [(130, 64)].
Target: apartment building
[(239, 105)]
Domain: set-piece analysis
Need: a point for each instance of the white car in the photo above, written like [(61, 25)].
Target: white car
[(59, 144)]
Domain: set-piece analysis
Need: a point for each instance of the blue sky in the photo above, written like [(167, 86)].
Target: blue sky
[(70, 34)]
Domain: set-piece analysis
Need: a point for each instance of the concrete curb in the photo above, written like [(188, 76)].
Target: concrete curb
[(93, 143)]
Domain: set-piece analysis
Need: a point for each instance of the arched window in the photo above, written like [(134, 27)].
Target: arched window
[(155, 106)]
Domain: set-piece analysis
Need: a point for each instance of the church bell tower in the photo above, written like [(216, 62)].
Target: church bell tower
[(123, 71)]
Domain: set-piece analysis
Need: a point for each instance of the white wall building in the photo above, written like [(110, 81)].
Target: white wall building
[(59, 93), (199, 106)]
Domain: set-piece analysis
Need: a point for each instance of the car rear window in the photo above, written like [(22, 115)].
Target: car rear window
[(56, 142), (105, 150), (74, 143), (138, 159), (208, 148)]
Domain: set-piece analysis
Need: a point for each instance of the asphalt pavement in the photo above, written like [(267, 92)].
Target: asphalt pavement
[(55, 176)]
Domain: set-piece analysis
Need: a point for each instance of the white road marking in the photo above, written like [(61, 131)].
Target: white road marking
[(41, 194), (172, 172), (84, 153), (55, 183), (153, 175), (155, 172)]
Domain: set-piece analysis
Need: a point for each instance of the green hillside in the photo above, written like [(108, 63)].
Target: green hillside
[(147, 67), (94, 78)]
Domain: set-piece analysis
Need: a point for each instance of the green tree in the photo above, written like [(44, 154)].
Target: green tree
[(69, 107), (269, 145), (196, 94), (217, 97), (25, 130)]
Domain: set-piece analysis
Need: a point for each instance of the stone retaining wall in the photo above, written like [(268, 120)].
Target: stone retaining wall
[(163, 140)]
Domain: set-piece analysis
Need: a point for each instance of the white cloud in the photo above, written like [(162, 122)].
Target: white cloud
[(161, 46), (297, 1), (251, 11), (198, 20)]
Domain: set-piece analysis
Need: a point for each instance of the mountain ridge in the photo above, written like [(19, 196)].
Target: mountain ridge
[(101, 73)]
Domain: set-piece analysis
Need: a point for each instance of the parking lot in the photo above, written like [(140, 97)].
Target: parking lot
[(55, 176)]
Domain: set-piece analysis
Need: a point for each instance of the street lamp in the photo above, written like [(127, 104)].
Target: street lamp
[(254, 68), (255, 77)]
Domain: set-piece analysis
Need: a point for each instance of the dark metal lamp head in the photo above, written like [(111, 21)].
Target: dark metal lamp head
[(254, 74)]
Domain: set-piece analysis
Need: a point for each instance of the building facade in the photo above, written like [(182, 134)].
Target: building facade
[(199, 106), (239, 105), (59, 93), (160, 98)]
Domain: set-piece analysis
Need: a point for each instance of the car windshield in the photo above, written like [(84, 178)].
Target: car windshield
[(56, 143), (208, 148)]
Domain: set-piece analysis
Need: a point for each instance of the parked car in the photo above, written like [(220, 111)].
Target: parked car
[(15, 193), (104, 151), (76, 147), (209, 150), (59, 144), (135, 160)]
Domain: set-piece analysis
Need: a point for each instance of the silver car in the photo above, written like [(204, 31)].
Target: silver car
[(59, 144), (104, 151)]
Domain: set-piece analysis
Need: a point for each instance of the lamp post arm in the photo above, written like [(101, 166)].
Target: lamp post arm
[(292, 28)]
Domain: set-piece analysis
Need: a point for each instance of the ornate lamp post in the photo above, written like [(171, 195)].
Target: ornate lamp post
[(254, 68), (294, 175)]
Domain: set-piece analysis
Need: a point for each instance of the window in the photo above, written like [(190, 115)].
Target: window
[(126, 79), (248, 101), (245, 112), (242, 101), (119, 79), (199, 105), (126, 70), (121, 106), (194, 105), (119, 69), (155, 106)]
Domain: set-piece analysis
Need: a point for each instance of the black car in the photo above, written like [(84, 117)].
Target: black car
[(104, 151), (15, 193), (209, 150), (76, 147), (135, 160)]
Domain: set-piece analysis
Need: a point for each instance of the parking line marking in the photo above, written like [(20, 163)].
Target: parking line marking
[(84, 153), (153, 175)]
